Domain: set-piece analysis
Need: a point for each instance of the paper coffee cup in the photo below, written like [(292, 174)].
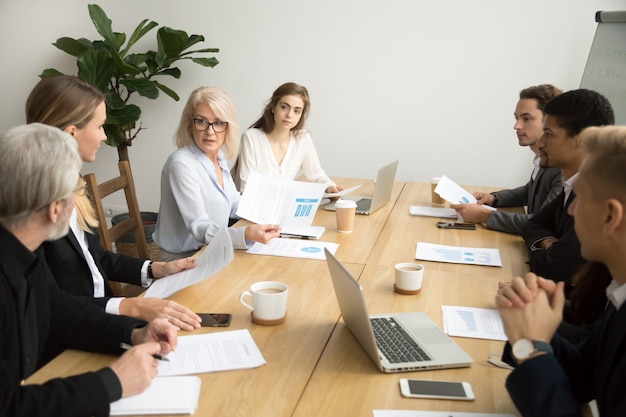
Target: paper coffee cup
[(345, 211), (269, 302), (409, 277), (436, 199)]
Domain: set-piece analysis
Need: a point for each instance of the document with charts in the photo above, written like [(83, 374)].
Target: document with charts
[(272, 200), (454, 193), (477, 323), (457, 254), (294, 248)]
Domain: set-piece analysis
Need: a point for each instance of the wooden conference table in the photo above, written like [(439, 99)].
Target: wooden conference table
[(314, 364)]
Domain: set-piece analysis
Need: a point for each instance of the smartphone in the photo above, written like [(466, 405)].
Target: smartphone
[(452, 225), (448, 390), (215, 320)]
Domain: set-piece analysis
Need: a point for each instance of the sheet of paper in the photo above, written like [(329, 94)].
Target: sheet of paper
[(417, 413), (477, 323), (457, 254), (272, 200), (165, 395), (212, 352), (215, 256), (294, 248), (454, 193), (342, 192), (446, 213)]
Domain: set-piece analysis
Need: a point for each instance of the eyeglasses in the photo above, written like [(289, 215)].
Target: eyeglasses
[(204, 125)]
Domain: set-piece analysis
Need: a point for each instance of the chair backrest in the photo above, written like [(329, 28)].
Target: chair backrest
[(133, 222)]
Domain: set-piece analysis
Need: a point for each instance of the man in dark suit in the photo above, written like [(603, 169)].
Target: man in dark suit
[(553, 376), (553, 248), (40, 167), (544, 184)]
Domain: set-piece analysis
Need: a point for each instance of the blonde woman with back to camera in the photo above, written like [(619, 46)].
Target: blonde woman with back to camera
[(198, 195)]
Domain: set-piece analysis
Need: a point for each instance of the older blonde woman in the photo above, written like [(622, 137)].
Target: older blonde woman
[(198, 195)]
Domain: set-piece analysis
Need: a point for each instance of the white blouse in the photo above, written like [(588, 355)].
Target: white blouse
[(256, 154)]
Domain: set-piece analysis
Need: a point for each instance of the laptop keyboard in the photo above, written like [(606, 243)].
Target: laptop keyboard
[(395, 343), (363, 205)]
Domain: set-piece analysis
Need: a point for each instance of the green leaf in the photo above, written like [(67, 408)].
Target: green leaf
[(172, 72), (168, 91), (74, 47), (96, 66), (114, 136), (103, 25), (128, 114), (145, 88), (170, 45), (113, 101), (139, 33), (206, 62), (214, 50), (49, 72), (123, 67)]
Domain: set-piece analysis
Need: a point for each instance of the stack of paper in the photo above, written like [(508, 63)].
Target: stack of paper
[(446, 213), (478, 323), (166, 395)]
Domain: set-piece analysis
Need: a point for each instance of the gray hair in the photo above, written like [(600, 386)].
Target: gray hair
[(39, 165)]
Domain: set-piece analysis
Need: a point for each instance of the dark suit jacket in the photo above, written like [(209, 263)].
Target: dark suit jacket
[(35, 315), (554, 385), (563, 259), (534, 194), (72, 274)]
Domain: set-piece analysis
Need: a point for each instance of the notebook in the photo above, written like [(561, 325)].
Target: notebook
[(382, 191), (436, 350)]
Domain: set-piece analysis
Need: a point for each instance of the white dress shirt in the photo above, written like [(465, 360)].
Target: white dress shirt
[(194, 207), (255, 154)]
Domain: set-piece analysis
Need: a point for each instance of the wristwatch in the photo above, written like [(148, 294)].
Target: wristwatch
[(496, 200), (524, 348)]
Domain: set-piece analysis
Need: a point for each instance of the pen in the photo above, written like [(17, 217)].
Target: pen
[(294, 236), (126, 346)]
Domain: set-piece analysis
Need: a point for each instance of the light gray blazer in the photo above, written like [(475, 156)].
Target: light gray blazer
[(534, 194)]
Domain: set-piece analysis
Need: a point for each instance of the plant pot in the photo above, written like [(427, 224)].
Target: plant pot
[(148, 219)]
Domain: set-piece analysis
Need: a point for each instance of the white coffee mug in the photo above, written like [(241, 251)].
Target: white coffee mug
[(409, 277), (269, 302)]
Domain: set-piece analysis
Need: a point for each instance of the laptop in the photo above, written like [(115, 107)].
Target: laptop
[(382, 191), (428, 346)]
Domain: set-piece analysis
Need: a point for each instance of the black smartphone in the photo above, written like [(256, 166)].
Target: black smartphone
[(452, 225), (215, 320)]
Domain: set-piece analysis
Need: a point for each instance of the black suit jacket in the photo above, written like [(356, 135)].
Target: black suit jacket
[(71, 272), (35, 315), (563, 259), (554, 385)]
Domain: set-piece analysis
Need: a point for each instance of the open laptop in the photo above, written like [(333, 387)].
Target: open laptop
[(429, 346), (382, 191)]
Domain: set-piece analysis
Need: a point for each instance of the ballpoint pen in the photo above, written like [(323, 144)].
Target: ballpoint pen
[(126, 346)]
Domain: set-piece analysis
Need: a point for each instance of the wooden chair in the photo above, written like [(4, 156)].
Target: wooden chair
[(133, 222)]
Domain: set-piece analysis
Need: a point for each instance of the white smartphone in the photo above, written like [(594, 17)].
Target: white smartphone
[(448, 390)]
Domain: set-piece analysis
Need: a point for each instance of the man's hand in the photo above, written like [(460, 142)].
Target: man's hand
[(149, 309), (163, 269), (484, 198), (136, 368), (530, 307), (547, 242), (472, 213)]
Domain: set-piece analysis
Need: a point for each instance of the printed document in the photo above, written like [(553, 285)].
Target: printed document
[(212, 352), (165, 395), (294, 248), (454, 193), (415, 413), (446, 213), (342, 192), (477, 323), (272, 200), (457, 254), (215, 256)]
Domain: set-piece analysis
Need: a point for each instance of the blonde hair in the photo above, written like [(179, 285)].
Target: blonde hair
[(63, 101), (606, 147), (223, 108)]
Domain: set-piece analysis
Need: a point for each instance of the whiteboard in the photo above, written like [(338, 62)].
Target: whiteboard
[(605, 71)]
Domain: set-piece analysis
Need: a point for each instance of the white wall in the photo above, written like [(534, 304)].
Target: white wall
[(431, 82)]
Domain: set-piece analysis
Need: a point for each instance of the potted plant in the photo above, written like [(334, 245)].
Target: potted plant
[(109, 64)]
